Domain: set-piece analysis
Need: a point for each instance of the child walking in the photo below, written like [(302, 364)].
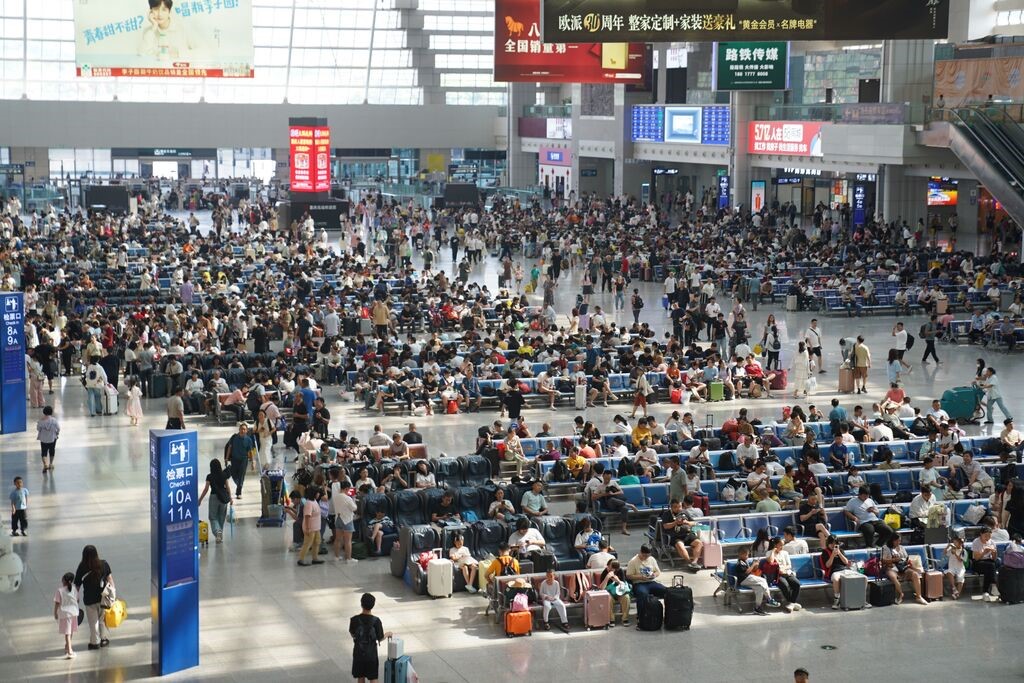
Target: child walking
[(134, 407), (65, 611), (19, 507)]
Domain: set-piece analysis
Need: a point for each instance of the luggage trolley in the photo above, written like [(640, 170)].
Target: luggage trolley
[(272, 493)]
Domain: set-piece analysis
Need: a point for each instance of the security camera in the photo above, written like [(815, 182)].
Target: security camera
[(11, 566)]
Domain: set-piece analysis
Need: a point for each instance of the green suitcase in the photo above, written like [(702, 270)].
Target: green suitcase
[(716, 391)]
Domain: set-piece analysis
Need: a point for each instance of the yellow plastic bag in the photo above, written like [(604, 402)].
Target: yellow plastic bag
[(116, 614), (758, 350), (893, 519)]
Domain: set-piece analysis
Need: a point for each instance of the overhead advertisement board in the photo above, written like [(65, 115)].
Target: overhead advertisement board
[(521, 56), (787, 138), (751, 66), (164, 38), (704, 20)]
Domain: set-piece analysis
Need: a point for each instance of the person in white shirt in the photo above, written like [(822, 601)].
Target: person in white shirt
[(920, 505), (602, 557), (526, 538), (901, 344), (465, 562), (343, 507), (937, 415), (880, 432), (793, 545)]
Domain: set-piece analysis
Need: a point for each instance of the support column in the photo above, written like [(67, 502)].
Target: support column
[(662, 94), (521, 167), (743, 106), (904, 198)]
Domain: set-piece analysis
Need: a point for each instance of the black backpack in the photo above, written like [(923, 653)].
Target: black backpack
[(910, 341), (881, 453), (559, 472), (727, 461), (638, 301)]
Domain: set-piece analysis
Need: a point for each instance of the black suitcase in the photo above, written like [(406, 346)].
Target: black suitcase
[(1011, 585), (650, 615), (678, 606), (349, 327), (881, 593)]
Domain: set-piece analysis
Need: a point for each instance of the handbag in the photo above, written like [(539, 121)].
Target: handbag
[(619, 589), (116, 614), (108, 596)]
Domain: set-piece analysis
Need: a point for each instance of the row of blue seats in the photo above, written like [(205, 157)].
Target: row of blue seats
[(742, 529)]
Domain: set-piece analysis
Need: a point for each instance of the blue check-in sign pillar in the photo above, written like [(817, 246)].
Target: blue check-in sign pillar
[(13, 412), (174, 548)]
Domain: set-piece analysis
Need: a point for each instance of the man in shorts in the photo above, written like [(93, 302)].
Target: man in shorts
[(861, 364), (678, 527)]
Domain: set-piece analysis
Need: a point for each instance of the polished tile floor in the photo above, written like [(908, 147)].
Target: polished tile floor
[(263, 618)]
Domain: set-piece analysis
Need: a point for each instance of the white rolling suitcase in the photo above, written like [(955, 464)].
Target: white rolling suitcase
[(440, 576), (792, 302), (580, 396), (110, 401)]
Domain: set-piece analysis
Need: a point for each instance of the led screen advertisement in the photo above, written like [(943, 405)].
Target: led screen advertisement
[(710, 125), (164, 38), (712, 20), (789, 138), (309, 144), (520, 55), (942, 192)]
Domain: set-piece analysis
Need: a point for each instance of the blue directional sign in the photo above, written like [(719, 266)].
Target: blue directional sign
[(12, 364), (174, 548)]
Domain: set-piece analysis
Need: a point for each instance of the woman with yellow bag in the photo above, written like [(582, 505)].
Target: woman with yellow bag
[(96, 583)]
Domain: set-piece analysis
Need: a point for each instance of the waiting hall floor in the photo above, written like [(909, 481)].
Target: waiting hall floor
[(265, 619)]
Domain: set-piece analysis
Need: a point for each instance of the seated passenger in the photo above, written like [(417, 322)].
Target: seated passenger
[(464, 562), (678, 528), (898, 568)]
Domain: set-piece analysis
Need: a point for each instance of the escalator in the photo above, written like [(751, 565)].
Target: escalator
[(991, 145)]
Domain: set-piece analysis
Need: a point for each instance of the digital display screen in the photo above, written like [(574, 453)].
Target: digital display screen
[(310, 156), (683, 124), (717, 126), (648, 123)]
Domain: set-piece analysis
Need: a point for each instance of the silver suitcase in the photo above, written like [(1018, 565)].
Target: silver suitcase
[(853, 591)]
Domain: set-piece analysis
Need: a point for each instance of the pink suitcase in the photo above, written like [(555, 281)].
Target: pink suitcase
[(597, 605), (933, 588), (711, 555)]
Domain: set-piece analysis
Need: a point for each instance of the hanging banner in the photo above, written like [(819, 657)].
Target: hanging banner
[(656, 21), (520, 55), (164, 38), (788, 138)]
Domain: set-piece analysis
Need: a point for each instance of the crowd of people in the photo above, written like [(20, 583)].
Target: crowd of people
[(255, 320)]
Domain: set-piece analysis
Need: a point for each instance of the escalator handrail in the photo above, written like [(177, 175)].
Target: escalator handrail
[(987, 146), (1003, 137)]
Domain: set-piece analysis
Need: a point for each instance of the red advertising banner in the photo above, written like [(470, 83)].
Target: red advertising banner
[(521, 56), (310, 157), (789, 138)]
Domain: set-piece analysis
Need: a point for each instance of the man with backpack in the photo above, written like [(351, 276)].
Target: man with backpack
[(637, 304), (929, 332)]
